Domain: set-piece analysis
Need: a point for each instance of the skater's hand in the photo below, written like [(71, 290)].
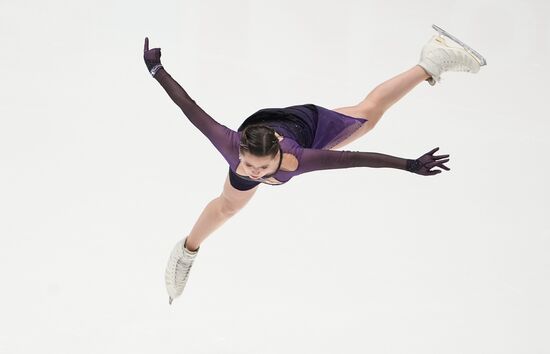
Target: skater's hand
[(151, 57), (424, 164)]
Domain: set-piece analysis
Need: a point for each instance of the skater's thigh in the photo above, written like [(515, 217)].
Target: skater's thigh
[(352, 111), (371, 115), (233, 199)]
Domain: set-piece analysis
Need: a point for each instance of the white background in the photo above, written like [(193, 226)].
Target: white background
[(101, 174)]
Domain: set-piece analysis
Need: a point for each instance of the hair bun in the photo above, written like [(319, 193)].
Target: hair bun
[(260, 140)]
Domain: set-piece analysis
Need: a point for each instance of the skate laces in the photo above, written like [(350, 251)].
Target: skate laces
[(455, 64), (455, 58), (183, 266)]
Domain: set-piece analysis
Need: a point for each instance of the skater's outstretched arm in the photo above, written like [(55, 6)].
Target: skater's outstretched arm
[(315, 159), (205, 123), (223, 138)]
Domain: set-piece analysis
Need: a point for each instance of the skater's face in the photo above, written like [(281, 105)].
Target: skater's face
[(258, 166)]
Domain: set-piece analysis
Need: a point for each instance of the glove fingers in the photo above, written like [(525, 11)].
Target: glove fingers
[(444, 167), (152, 56), (155, 53), (435, 163)]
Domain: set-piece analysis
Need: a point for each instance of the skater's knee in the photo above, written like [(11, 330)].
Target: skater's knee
[(372, 107), (228, 208), (373, 112)]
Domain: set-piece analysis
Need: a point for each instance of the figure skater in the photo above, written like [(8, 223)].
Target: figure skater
[(275, 144)]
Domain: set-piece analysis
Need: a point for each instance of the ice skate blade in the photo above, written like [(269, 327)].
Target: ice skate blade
[(469, 49)]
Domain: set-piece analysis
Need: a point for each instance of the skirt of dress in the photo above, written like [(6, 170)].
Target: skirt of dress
[(334, 127), (311, 126)]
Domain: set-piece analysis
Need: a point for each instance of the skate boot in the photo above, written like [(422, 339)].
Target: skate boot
[(439, 56), (177, 270)]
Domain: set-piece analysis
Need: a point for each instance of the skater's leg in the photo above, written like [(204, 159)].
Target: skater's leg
[(387, 93), (379, 100), (217, 212)]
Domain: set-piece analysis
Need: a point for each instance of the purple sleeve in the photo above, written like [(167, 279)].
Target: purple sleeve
[(223, 138), (316, 159)]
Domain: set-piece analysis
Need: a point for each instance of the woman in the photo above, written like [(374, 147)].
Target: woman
[(275, 144)]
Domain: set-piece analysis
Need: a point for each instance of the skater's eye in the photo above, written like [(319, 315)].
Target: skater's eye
[(264, 167)]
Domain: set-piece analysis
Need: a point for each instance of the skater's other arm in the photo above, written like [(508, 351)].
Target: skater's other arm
[(205, 123), (315, 159), (223, 138)]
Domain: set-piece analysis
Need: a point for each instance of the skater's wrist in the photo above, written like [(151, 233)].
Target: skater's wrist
[(413, 165), (155, 69)]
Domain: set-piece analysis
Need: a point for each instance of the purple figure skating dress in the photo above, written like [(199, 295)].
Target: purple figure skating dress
[(302, 126)]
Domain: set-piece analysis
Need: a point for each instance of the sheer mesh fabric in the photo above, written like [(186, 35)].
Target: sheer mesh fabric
[(226, 141)]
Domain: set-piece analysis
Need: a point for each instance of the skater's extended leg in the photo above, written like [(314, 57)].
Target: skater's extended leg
[(437, 57), (217, 212), (387, 93), (379, 100)]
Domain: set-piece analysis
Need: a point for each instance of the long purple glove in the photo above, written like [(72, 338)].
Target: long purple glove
[(151, 57), (424, 164)]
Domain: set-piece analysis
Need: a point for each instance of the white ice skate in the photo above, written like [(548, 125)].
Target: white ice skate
[(438, 56), (177, 270)]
